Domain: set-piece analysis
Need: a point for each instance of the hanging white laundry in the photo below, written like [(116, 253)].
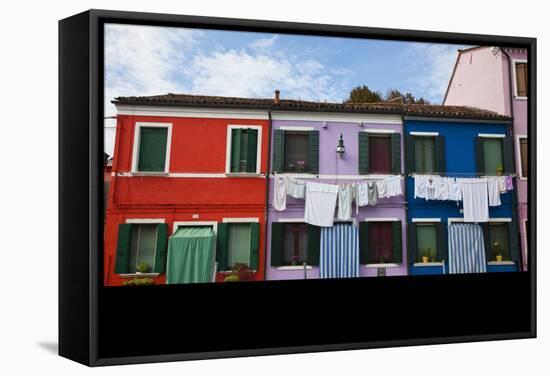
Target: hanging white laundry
[(394, 186), (372, 192), (502, 184), (419, 186), (441, 188), (455, 190), (320, 204), (279, 193), (296, 188), (362, 195), (493, 190), (475, 200), (345, 198), (430, 187), (382, 188)]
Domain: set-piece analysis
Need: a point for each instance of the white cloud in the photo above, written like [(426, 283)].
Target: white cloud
[(432, 65), (263, 43)]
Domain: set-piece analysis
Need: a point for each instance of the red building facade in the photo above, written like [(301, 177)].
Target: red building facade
[(185, 166)]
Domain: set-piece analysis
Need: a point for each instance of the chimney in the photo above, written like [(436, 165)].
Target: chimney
[(277, 92)]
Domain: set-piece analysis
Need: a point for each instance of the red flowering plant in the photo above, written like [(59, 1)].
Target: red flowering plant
[(239, 272), (295, 260)]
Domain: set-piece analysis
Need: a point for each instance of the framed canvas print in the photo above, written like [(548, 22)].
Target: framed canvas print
[(239, 187)]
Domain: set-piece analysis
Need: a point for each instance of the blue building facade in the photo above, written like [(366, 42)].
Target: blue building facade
[(458, 148)]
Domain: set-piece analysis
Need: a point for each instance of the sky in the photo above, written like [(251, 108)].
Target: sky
[(151, 60)]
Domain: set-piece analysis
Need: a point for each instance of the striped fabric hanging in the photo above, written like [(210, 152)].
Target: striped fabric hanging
[(339, 256), (466, 249)]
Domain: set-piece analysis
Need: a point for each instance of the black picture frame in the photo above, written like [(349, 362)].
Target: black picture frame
[(93, 328)]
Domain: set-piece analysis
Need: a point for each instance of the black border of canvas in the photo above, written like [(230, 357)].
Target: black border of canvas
[(81, 293)]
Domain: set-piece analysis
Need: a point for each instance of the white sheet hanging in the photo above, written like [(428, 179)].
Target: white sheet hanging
[(475, 200), (345, 198), (493, 190), (296, 188), (320, 204), (279, 193)]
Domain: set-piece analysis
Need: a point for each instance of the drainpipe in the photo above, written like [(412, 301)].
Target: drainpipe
[(266, 261), (511, 132), (405, 202)]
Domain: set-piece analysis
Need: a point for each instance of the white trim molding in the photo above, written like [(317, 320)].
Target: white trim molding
[(491, 135), (291, 220), (293, 267), (495, 263), (424, 133), (387, 219), (426, 220), (177, 224), (145, 220), (519, 167), (241, 220), (334, 176), (514, 79), (385, 265), (229, 141), (191, 112), (135, 149), (491, 220), (338, 117), (381, 131), (425, 264), (296, 128)]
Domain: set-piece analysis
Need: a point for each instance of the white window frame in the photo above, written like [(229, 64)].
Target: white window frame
[(229, 141), (424, 134), (144, 221), (519, 137), (178, 224), (384, 219), (492, 135), (459, 220), (514, 62), (135, 149), (380, 131), (426, 220)]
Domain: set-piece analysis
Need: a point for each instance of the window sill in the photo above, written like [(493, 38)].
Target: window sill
[(385, 265), (294, 267), (149, 173), (241, 174), (520, 98), (501, 263), (229, 271), (145, 275), (421, 264)]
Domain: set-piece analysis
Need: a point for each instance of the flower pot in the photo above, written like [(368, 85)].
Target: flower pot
[(499, 258), (425, 259)]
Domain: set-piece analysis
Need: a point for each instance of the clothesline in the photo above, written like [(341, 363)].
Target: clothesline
[(459, 174)]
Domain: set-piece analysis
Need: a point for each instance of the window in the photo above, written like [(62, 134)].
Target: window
[(238, 248), (492, 155), (498, 235), (295, 243), (244, 150), (521, 79), (380, 243), (142, 251), (523, 155), (426, 242), (152, 149), (296, 151), (380, 155), (424, 154)]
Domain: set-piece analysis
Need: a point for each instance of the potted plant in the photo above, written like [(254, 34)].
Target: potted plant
[(500, 170), (138, 282), (239, 272), (381, 256), (294, 260), (425, 255), (142, 267), (497, 252), (300, 166)]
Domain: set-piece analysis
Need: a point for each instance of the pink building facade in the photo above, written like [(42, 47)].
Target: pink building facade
[(496, 79)]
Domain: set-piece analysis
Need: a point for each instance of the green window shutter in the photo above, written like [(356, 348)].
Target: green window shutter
[(396, 153), (152, 149), (508, 155), (397, 242), (277, 234), (409, 154), (363, 242), (278, 150), (487, 241), (363, 153), (441, 253), (160, 252), (513, 240), (479, 155), (412, 245), (252, 150), (441, 164), (236, 150), (221, 246), (124, 243), (313, 152), (313, 245), (254, 245)]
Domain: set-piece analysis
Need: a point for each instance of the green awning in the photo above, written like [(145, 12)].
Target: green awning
[(190, 255)]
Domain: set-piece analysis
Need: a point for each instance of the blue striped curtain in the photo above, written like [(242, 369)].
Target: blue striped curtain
[(339, 251), (466, 249)]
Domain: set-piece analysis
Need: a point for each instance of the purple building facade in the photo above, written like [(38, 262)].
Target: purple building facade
[(333, 169), (496, 79)]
